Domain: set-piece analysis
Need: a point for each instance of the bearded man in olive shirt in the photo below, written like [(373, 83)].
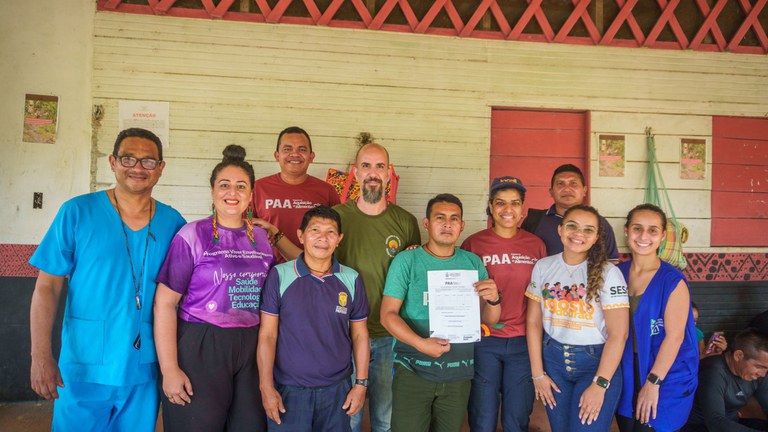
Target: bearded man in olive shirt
[(375, 231)]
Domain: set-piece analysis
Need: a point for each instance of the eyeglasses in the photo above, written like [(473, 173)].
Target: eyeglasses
[(572, 227), (130, 162)]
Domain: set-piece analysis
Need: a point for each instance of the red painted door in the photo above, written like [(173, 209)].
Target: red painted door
[(530, 144), (739, 181)]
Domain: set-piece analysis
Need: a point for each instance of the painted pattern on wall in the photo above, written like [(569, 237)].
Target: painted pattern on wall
[(702, 267)]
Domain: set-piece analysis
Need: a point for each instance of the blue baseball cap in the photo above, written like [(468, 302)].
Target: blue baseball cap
[(506, 182)]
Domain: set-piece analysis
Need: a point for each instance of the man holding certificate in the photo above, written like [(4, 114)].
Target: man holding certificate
[(434, 300)]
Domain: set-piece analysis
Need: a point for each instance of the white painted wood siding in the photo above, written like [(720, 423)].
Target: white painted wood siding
[(426, 98)]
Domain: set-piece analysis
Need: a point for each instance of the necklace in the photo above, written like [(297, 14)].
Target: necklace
[(136, 281), (322, 272), (429, 251)]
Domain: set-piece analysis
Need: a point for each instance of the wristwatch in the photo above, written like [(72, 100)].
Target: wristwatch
[(602, 382), (654, 379), (362, 382), (495, 303)]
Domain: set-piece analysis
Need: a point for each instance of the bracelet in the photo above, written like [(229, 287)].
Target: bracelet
[(540, 377), (276, 238), (497, 302)]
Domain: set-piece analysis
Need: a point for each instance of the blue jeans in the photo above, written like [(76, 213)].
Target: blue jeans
[(502, 368), (572, 368), (313, 409), (379, 387)]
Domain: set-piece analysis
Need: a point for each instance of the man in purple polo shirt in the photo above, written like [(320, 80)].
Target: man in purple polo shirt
[(313, 320)]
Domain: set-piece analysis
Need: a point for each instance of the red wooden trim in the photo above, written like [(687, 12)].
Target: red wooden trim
[(409, 15), (625, 14), (313, 10), (667, 17), (500, 18), (750, 21), (429, 16), (476, 17), (508, 30), (710, 23), (330, 11), (112, 4), (362, 10), (278, 11), (382, 15), (454, 16), (264, 8), (517, 30), (164, 5), (579, 12)]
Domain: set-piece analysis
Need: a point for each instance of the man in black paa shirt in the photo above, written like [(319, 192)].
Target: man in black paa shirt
[(727, 382)]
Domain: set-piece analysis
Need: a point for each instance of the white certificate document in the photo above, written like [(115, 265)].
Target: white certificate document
[(454, 308)]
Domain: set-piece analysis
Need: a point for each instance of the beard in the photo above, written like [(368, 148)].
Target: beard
[(372, 195)]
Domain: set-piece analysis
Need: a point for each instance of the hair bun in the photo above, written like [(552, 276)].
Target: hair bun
[(233, 153)]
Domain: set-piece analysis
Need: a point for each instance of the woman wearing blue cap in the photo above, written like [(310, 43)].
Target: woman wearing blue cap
[(501, 357)]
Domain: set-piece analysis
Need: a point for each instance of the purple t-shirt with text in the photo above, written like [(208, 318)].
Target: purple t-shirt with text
[(220, 283)]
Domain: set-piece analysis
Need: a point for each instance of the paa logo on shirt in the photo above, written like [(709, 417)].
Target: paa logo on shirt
[(276, 203), (656, 326)]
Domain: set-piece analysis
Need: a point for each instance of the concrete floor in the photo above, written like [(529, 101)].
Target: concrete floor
[(36, 417)]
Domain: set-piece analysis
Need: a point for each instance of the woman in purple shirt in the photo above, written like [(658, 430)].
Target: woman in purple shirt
[(207, 311)]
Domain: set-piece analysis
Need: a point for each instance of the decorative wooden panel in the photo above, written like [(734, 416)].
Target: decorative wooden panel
[(586, 21)]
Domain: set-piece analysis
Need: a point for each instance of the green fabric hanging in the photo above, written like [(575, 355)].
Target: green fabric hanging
[(671, 248)]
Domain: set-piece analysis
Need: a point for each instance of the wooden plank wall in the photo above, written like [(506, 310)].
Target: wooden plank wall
[(428, 99)]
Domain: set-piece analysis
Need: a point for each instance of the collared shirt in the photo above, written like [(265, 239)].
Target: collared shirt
[(314, 346)]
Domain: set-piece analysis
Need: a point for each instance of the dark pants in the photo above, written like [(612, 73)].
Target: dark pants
[(627, 424), (313, 409), (421, 405), (502, 368), (221, 365)]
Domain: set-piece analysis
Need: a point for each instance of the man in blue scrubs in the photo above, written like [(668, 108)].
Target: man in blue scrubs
[(110, 244)]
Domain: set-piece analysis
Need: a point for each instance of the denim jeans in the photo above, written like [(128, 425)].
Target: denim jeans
[(313, 409), (572, 368), (379, 387), (502, 368)]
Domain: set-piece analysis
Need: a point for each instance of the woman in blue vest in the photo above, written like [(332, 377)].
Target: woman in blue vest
[(661, 358)]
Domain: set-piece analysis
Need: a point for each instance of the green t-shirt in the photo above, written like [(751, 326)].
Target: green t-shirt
[(407, 281), (369, 245)]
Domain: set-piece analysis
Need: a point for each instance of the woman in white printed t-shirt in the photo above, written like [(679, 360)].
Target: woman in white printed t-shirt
[(578, 321)]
